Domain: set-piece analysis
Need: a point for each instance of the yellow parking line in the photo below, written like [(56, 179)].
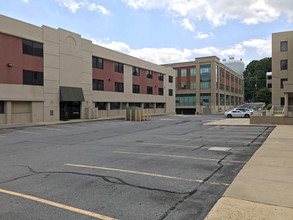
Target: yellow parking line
[(176, 156), (47, 202), (136, 172)]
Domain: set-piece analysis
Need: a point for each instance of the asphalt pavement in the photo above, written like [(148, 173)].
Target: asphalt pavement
[(173, 167)]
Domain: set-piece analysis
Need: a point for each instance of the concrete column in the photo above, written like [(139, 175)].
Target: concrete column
[(8, 110), (286, 104), (155, 107), (108, 109)]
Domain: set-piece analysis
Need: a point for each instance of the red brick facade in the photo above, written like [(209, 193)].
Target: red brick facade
[(11, 53)]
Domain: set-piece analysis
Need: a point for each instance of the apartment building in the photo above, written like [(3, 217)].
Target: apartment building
[(282, 72), (206, 86), (49, 74)]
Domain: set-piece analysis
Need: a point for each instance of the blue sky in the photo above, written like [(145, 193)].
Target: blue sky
[(165, 31)]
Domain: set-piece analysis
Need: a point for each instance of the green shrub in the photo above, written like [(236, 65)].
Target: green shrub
[(268, 107)]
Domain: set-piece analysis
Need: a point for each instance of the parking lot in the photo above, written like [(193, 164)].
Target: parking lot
[(173, 167)]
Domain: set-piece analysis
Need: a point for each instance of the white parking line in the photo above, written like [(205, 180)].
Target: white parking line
[(3, 136), (169, 145), (176, 156), (72, 126), (27, 132), (53, 129), (146, 174)]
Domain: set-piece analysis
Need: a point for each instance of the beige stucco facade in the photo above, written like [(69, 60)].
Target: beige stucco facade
[(67, 61), (282, 77)]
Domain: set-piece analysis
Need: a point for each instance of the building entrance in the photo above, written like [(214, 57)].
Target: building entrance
[(69, 110)]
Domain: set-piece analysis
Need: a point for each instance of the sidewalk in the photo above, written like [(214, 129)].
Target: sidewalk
[(264, 187), (4, 126)]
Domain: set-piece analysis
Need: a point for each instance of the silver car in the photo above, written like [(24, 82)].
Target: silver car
[(237, 114)]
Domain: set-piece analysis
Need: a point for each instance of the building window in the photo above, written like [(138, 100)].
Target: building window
[(32, 48), (135, 71), (98, 63), (98, 84), (205, 76), (149, 90), (183, 85), (193, 85), (161, 91), (101, 105), (160, 105), (269, 77), (114, 105), (33, 78), (149, 74), (222, 87), (205, 98), (119, 67), (284, 46), (284, 64), (134, 104), (221, 99), (282, 82), (269, 85), (170, 79), (282, 101), (176, 73), (183, 72), (148, 105), (227, 100), (192, 72), (185, 99), (119, 87), (161, 77), (135, 88), (170, 92), (1, 107)]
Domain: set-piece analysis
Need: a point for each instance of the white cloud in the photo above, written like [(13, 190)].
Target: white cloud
[(74, 5), (201, 35), (263, 46), (25, 1), (187, 25), (171, 55), (219, 12)]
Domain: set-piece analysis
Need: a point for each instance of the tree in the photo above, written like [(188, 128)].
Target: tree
[(255, 77), (264, 95)]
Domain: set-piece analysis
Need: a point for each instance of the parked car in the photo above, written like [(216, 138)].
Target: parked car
[(245, 110), (237, 114)]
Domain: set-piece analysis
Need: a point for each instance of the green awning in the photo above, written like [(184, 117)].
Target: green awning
[(71, 94)]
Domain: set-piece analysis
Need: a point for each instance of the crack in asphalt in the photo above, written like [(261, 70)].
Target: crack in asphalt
[(105, 178), (254, 140), (168, 212)]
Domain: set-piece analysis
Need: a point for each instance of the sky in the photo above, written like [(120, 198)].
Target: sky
[(165, 31)]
